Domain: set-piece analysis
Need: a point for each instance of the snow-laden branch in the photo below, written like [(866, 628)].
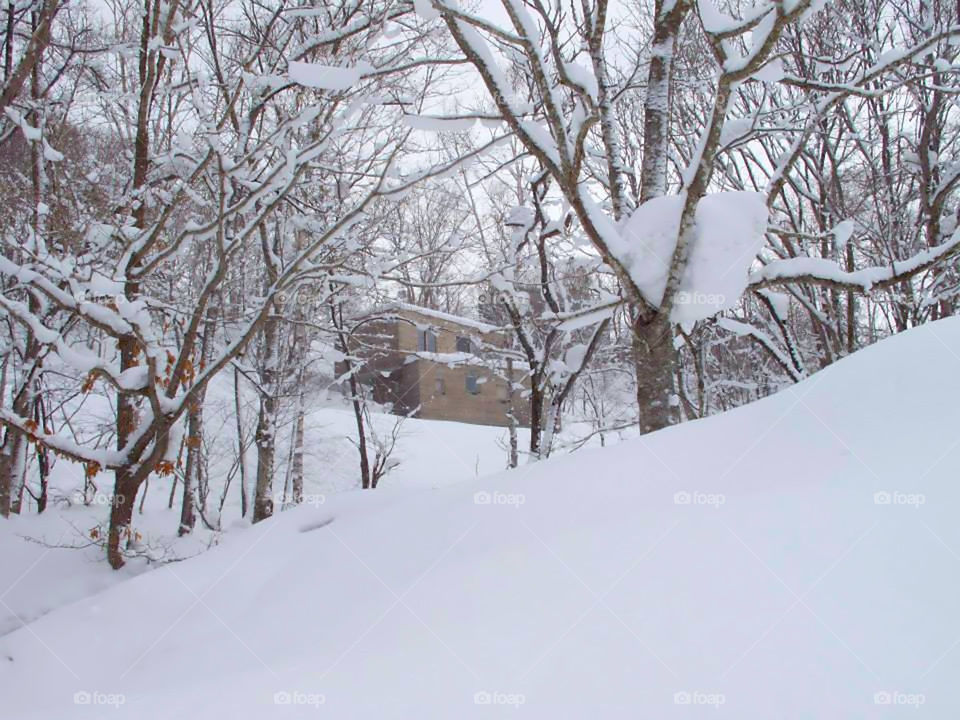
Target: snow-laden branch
[(820, 271), (102, 457), (764, 341)]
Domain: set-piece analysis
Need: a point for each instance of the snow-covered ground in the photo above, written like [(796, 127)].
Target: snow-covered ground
[(796, 558), (38, 551)]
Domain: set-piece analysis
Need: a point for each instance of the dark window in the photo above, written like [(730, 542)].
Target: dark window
[(426, 341), (473, 383), (463, 345)]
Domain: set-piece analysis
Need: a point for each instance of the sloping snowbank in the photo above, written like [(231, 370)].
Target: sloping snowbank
[(796, 558), (39, 552)]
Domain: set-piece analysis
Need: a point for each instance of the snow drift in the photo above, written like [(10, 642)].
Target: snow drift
[(796, 558)]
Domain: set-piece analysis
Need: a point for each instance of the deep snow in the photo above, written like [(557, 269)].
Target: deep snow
[(795, 558), (38, 551)]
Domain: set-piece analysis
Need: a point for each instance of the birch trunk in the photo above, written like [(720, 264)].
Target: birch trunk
[(266, 424), (512, 416), (296, 480)]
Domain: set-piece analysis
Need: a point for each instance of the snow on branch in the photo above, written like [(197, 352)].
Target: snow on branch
[(101, 457), (819, 271), (764, 341), (323, 77), (729, 231)]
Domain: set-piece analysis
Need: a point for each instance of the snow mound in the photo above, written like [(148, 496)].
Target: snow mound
[(795, 558), (729, 233)]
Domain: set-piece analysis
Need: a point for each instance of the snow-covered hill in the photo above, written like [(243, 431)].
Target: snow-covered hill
[(38, 551), (797, 558)]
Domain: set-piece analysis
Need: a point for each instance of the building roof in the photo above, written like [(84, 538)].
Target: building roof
[(436, 314)]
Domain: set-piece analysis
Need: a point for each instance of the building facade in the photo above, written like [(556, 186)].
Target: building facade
[(436, 366)]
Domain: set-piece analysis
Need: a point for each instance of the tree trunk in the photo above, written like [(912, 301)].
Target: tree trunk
[(125, 481), (656, 110), (241, 444), (298, 345), (536, 417), (655, 359), (121, 514), (365, 480), (265, 437), (11, 466), (297, 469), (549, 427), (8, 42), (511, 416), (336, 316), (266, 452), (191, 474), (608, 119)]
